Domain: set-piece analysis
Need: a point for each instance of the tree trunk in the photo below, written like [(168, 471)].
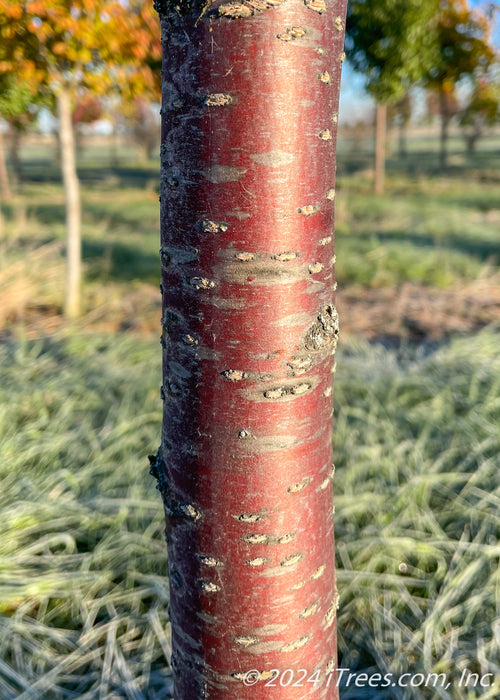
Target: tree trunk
[(250, 98), (445, 120), (380, 137), (15, 146), (72, 195), (4, 175), (471, 140), (114, 146), (403, 152)]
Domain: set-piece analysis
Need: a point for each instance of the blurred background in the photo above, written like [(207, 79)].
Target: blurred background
[(83, 588)]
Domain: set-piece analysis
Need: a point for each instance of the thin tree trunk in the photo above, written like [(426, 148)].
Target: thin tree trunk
[(403, 152), (4, 175), (15, 145), (73, 213), (250, 98), (114, 146), (380, 139), (445, 120)]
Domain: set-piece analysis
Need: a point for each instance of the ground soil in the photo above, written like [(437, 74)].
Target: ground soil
[(417, 313)]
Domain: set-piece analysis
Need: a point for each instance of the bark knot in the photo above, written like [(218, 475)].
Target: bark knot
[(247, 8), (218, 99), (324, 332), (292, 33), (319, 6)]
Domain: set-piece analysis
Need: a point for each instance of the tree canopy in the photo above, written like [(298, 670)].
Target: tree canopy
[(392, 43), (463, 41), (94, 44)]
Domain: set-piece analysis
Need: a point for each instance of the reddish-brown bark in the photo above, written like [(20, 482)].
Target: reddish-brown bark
[(250, 98)]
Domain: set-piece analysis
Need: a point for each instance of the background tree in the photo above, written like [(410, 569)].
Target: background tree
[(481, 111), (464, 49), (250, 100), (140, 118), (399, 114), (19, 105), (87, 110), (95, 45), (392, 43), (5, 189)]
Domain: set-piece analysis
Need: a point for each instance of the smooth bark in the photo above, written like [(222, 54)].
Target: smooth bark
[(249, 115), (380, 146), (73, 207)]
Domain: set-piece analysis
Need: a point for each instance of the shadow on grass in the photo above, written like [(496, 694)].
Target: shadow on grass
[(136, 217), (46, 171), (483, 165), (480, 249), (120, 262)]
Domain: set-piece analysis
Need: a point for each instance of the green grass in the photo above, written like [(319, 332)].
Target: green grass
[(433, 232), (83, 584), (425, 229)]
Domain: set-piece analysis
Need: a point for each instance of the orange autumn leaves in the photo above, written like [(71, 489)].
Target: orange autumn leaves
[(100, 45)]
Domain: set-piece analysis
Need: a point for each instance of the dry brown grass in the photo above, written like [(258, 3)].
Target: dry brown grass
[(29, 279)]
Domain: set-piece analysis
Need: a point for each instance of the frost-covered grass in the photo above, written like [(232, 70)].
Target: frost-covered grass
[(417, 450), (83, 589)]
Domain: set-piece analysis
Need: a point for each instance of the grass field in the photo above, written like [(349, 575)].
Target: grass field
[(83, 589)]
